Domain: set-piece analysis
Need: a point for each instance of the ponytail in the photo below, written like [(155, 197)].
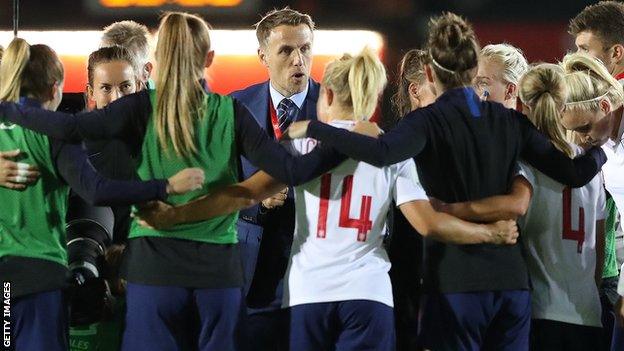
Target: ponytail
[(183, 44), (357, 82), (12, 67), (543, 90)]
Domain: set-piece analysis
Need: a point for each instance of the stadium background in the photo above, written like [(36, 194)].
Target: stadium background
[(537, 27)]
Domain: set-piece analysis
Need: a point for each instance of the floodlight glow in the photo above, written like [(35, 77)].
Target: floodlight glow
[(224, 42)]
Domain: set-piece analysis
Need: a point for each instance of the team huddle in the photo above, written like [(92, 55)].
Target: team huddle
[(168, 217)]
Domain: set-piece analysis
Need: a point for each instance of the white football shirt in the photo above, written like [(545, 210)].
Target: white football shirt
[(559, 235), (337, 251)]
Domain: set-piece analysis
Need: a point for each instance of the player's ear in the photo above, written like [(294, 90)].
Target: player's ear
[(330, 96), (262, 57), (510, 91)]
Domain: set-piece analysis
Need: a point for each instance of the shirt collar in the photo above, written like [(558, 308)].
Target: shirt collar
[(342, 123), (298, 98), (26, 101), (461, 92)]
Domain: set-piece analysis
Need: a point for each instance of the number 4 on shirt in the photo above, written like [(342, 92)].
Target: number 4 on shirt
[(568, 232), (362, 224)]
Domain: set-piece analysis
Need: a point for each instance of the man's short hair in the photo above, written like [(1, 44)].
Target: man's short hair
[(275, 18), (130, 35), (604, 19)]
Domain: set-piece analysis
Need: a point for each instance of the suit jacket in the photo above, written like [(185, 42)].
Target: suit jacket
[(265, 239)]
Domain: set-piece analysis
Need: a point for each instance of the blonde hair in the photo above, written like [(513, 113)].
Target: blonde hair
[(512, 59), (588, 81), (29, 71), (543, 90), (411, 70), (183, 44), (131, 35), (357, 82)]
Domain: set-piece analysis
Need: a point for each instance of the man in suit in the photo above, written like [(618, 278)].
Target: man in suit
[(265, 232)]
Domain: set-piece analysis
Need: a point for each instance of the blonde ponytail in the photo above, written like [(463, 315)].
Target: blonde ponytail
[(12, 66), (183, 44), (543, 90), (357, 82), (588, 81)]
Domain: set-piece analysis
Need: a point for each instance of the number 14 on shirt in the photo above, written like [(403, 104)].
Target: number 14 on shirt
[(362, 224)]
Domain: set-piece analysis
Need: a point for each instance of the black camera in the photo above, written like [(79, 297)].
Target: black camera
[(89, 232)]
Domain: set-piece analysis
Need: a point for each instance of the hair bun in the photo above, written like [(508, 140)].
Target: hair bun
[(453, 45)]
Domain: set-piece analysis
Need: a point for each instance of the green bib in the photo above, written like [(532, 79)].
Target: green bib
[(216, 155), (32, 221)]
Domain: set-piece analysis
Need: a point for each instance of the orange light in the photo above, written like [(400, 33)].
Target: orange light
[(156, 3)]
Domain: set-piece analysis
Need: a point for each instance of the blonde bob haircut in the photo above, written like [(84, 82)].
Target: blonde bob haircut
[(588, 82), (510, 57), (357, 82)]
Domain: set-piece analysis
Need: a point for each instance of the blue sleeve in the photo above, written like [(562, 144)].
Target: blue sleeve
[(540, 153), (120, 119), (266, 154), (74, 167), (404, 141)]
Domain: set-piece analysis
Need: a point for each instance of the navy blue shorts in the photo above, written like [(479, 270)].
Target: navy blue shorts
[(496, 320), (343, 325), (548, 335), (175, 318), (40, 322)]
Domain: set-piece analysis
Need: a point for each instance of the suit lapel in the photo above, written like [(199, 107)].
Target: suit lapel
[(260, 103)]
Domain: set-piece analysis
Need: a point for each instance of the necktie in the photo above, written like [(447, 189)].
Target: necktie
[(287, 111)]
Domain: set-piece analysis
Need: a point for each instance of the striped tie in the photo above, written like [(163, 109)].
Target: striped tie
[(287, 111)]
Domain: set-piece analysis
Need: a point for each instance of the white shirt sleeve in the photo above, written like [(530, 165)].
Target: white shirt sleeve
[(620, 287), (299, 146), (526, 172), (601, 203), (407, 187)]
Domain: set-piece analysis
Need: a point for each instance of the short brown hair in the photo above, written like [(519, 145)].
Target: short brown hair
[(454, 50), (109, 54), (604, 19), (275, 18), (131, 35)]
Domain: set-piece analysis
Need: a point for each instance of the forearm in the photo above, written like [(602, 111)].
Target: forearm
[(397, 145), (228, 199), (444, 227), (452, 230), (495, 208), (540, 153), (265, 153), (75, 168), (486, 210), (113, 121)]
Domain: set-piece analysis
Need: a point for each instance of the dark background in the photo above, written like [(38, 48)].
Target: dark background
[(537, 27)]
